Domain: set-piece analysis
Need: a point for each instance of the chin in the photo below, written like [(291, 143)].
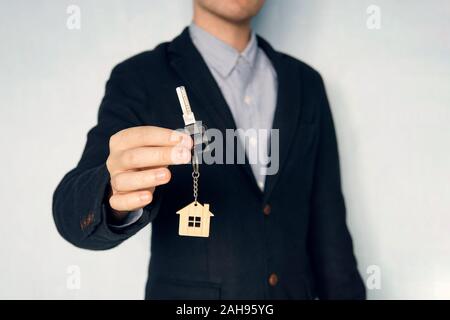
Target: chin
[(237, 11)]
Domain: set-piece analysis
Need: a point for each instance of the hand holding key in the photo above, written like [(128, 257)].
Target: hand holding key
[(138, 162)]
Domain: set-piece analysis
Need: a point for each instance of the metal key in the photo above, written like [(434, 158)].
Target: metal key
[(195, 128)]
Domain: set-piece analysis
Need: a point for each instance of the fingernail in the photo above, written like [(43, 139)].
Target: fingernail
[(144, 197), (176, 136), (161, 175), (186, 141), (181, 139), (183, 154)]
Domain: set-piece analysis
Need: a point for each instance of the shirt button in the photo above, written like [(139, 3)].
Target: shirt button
[(247, 100), (273, 279), (261, 185), (267, 209)]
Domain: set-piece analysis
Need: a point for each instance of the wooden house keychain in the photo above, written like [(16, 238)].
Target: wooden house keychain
[(194, 218)]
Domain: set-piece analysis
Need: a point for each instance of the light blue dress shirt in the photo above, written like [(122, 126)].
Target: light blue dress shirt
[(248, 83)]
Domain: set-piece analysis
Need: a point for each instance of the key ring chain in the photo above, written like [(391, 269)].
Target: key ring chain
[(195, 176)]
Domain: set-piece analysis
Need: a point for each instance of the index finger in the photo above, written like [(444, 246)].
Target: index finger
[(149, 136)]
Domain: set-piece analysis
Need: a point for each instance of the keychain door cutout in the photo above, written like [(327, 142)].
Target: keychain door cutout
[(195, 220)]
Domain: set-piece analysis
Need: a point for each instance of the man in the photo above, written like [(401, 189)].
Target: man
[(279, 236)]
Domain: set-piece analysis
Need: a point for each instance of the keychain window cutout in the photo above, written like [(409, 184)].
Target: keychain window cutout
[(194, 218), (194, 222)]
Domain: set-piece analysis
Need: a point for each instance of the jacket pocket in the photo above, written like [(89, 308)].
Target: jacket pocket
[(175, 289)]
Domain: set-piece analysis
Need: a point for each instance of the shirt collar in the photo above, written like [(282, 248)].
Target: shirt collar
[(219, 55)]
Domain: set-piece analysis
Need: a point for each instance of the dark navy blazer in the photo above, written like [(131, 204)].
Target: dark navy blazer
[(288, 242)]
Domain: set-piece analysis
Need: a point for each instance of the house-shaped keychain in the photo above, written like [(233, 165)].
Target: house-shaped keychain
[(195, 220)]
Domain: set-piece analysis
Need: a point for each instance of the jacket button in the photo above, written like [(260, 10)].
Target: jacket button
[(267, 209), (273, 279), (87, 221), (90, 218)]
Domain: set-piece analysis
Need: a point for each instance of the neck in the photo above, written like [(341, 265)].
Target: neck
[(236, 35)]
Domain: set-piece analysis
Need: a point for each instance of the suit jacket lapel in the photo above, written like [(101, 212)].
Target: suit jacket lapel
[(287, 110)]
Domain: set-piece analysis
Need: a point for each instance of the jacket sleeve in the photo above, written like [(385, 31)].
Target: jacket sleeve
[(330, 244), (80, 207)]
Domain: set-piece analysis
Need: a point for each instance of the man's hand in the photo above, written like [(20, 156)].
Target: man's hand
[(137, 163)]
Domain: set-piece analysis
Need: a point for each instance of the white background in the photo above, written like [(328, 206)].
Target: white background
[(390, 96)]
